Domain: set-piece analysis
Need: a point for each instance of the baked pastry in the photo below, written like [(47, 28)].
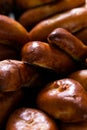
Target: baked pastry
[(33, 16), (30, 119), (12, 33), (68, 43), (72, 20), (15, 74), (43, 55), (64, 99)]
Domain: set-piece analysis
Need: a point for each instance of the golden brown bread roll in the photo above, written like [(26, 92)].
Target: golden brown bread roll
[(30, 119), (12, 33), (69, 43), (15, 74), (31, 17), (64, 99), (72, 20), (43, 55)]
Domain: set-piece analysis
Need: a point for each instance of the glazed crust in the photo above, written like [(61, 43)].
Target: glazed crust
[(64, 99), (12, 33), (42, 12), (70, 20), (30, 119), (43, 55), (69, 43), (19, 73)]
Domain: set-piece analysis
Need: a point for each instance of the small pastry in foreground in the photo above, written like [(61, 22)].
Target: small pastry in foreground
[(64, 99), (30, 119)]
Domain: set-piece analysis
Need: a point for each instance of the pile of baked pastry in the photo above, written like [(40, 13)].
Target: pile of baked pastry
[(43, 65)]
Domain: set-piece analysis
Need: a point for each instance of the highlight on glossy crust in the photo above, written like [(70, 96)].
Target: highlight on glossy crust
[(71, 20), (43, 55), (69, 43), (64, 99), (12, 33), (30, 119)]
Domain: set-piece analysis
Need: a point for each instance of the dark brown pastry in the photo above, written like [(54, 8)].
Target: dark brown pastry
[(43, 55), (69, 43), (12, 33), (72, 20), (30, 119), (33, 16), (64, 99), (15, 74)]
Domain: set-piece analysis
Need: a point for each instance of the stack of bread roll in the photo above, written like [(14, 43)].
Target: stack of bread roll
[(43, 65)]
